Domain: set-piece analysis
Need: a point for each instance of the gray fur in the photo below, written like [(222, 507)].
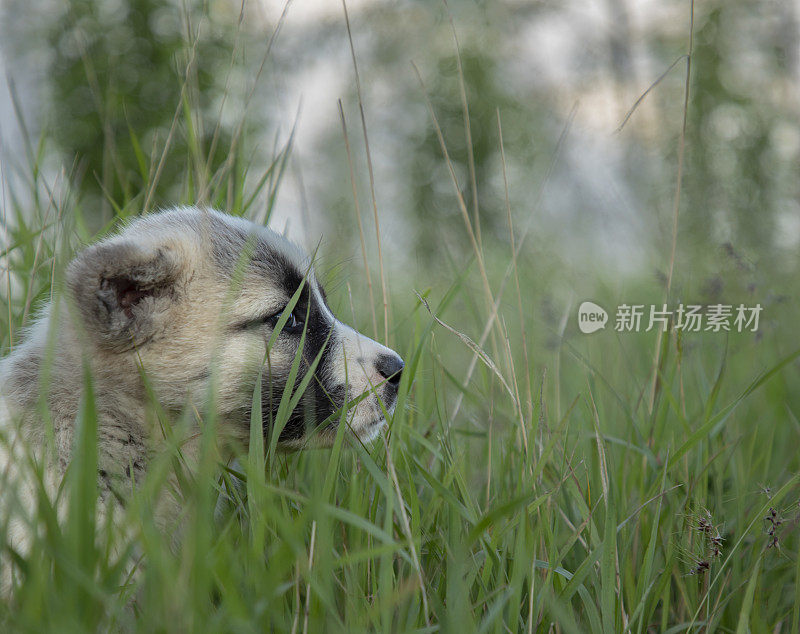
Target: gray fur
[(162, 298)]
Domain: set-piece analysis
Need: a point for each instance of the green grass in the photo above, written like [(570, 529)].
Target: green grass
[(540, 491), (575, 505)]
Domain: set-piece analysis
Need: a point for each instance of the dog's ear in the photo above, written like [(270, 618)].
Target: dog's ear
[(124, 291)]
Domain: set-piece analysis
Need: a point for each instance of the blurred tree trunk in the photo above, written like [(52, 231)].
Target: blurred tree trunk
[(619, 42)]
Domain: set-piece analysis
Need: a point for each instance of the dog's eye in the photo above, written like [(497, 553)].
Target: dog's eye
[(293, 325)]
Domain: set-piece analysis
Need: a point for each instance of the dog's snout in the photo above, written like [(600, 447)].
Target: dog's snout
[(390, 367)]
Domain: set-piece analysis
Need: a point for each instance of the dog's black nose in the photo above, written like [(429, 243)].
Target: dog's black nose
[(390, 367)]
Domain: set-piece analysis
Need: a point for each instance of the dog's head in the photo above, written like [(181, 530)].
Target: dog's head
[(202, 300)]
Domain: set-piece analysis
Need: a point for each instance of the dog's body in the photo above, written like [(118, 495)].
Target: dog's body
[(177, 307)]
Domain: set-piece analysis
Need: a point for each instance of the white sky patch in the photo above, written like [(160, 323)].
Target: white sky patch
[(303, 12), (787, 225)]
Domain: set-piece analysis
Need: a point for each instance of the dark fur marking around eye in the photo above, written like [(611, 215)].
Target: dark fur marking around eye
[(286, 273), (293, 325), (318, 402)]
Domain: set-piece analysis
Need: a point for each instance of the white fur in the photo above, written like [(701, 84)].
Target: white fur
[(177, 329)]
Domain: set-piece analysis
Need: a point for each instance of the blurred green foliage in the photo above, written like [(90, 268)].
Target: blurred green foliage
[(120, 76), (740, 176), (577, 501)]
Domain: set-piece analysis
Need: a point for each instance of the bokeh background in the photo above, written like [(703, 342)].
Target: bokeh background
[(90, 91), (638, 442)]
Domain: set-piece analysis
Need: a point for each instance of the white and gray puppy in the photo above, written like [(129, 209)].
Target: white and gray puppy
[(189, 298)]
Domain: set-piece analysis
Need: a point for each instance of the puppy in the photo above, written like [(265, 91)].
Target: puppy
[(179, 306)]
